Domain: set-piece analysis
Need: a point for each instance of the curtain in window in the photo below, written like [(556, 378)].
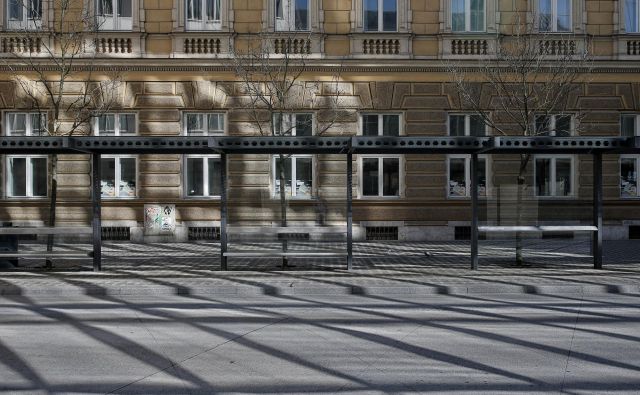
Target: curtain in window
[(301, 14), (213, 10), (390, 125), (627, 125), (194, 11), (563, 177), (389, 15), (544, 15), (127, 124), (34, 9), (127, 187), (564, 15), (477, 15), (457, 16), (195, 124), (215, 123), (631, 16), (38, 124), (628, 178), (15, 10), (17, 124), (105, 7), (106, 125), (370, 15), (304, 177), (124, 8)]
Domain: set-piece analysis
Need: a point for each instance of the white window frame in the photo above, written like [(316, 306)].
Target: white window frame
[(401, 174), (28, 175), (467, 171), (467, 18), (28, 126), (380, 18), (203, 24), (636, 123), (25, 23), (554, 17), (115, 22), (287, 23), (207, 132), (205, 177), (552, 123), (274, 175), (116, 123), (467, 124), (289, 122), (118, 176), (380, 123), (635, 158), (554, 194)]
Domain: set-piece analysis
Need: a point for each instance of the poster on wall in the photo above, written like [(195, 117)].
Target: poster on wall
[(159, 219)]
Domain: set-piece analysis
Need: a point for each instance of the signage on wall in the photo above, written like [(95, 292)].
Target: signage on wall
[(159, 219)]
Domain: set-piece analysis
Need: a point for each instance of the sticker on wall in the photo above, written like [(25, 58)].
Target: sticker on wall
[(159, 219)]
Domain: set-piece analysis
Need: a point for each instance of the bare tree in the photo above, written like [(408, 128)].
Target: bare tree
[(54, 68), (530, 79), (273, 71)]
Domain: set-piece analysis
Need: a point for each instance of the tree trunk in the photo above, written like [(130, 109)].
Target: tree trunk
[(283, 204), (53, 173)]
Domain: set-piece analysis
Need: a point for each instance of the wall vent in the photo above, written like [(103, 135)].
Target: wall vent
[(382, 233), (634, 232), (115, 233), (204, 233)]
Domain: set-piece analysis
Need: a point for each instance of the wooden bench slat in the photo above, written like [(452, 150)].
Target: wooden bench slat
[(44, 254), (252, 254), (65, 230), (541, 228)]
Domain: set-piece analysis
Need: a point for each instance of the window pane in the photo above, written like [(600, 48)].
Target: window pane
[(108, 177), (390, 125), (127, 124), (279, 9), (391, 180), (15, 10), (457, 16), (38, 124), (127, 177), (124, 8), (628, 178), (301, 14), (105, 7), (195, 125), (543, 125), (287, 177), (215, 173), (35, 9), (18, 168), (213, 10), (631, 16), (304, 179), (481, 174), (543, 177), (106, 125), (544, 15), (304, 124), (456, 125), (477, 15), (563, 177), (370, 15), (564, 15), (563, 125), (389, 15), (194, 11), (39, 176), (17, 124), (477, 126), (370, 176), (216, 123), (370, 125), (628, 125), (457, 177), (195, 174)]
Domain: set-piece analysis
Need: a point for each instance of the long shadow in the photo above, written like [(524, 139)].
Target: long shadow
[(13, 361)]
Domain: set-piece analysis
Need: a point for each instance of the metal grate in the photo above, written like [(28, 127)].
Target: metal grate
[(634, 232), (116, 233), (382, 233), (204, 233)]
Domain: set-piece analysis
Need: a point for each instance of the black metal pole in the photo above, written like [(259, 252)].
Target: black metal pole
[(96, 213), (474, 211), (223, 211), (349, 211), (596, 242)]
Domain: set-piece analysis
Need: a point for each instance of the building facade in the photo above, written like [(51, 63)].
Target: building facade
[(178, 79)]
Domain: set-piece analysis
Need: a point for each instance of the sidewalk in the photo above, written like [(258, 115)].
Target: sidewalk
[(380, 268)]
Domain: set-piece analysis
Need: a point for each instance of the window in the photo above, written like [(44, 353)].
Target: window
[(293, 124), (459, 176), (24, 14), (292, 15), (203, 124), (632, 16), (380, 176), (467, 125), (380, 125), (114, 14), (553, 175), (380, 15), (118, 176), (554, 125), (467, 16), (630, 125), (26, 124), (298, 176), (115, 125), (203, 15), (554, 15), (26, 176), (202, 176)]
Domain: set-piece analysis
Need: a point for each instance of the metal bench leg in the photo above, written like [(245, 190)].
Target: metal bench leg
[(596, 242), (223, 211), (349, 212), (96, 220)]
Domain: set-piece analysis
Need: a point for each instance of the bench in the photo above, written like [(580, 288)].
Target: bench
[(46, 230), (537, 229)]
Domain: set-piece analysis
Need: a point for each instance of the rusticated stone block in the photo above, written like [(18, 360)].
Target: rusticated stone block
[(425, 129), (626, 93), (131, 91), (426, 116), (159, 101), (400, 91), (601, 89), (160, 128), (163, 88), (382, 98), (427, 88), (427, 102), (164, 166), (362, 89), (159, 115), (592, 103)]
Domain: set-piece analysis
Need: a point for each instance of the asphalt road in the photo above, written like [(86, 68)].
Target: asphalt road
[(309, 344)]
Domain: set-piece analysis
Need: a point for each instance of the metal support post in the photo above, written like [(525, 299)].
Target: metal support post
[(596, 242), (223, 211), (96, 214), (474, 211), (349, 211)]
